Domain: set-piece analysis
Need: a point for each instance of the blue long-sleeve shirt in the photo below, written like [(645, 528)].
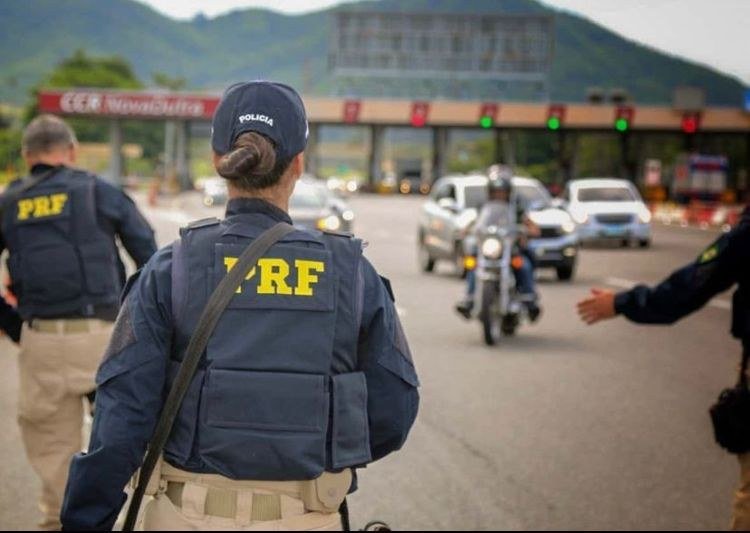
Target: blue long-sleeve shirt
[(132, 380), (725, 263)]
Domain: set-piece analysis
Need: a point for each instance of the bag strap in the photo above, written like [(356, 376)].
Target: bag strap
[(209, 318)]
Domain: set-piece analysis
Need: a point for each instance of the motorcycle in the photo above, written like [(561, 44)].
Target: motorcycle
[(502, 308)]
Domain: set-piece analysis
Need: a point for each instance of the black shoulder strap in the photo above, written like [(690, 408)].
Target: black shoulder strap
[(208, 320), (26, 183)]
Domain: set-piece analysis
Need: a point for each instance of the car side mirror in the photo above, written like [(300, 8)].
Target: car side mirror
[(448, 203)]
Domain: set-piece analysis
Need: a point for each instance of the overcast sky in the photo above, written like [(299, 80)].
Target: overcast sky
[(712, 32)]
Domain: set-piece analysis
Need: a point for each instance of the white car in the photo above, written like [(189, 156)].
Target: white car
[(608, 209)]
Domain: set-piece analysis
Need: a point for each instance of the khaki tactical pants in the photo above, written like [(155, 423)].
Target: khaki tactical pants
[(57, 364), (741, 507), (199, 502)]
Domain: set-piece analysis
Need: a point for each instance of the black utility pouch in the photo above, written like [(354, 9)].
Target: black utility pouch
[(731, 413)]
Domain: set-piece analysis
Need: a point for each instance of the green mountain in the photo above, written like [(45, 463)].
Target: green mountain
[(253, 43)]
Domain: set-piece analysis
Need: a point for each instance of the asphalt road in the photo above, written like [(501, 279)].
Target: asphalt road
[(561, 427)]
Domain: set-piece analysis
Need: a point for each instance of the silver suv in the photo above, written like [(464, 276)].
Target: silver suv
[(454, 202)]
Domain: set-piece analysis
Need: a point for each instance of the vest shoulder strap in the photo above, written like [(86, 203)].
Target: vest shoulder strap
[(194, 234), (203, 223), (344, 234), (26, 183)]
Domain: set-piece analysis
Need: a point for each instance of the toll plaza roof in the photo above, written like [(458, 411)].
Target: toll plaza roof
[(471, 114)]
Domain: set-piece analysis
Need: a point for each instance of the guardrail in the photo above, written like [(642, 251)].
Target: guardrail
[(703, 215)]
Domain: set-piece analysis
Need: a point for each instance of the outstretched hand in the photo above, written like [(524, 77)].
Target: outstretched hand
[(600, 305)]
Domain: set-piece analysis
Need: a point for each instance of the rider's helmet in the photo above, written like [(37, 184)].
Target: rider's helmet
[(499, 180)]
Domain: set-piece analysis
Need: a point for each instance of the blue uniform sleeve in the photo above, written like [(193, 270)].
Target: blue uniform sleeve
[(129, 399), (689, 288), (134, 231), (10, 320), (385, 359)]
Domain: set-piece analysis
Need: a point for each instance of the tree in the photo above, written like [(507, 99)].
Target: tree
[(105, 72), (166, 81), (82, 70)]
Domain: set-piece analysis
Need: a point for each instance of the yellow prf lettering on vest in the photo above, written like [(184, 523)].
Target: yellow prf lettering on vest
[(274, 271), (229, 263), (41, 206), (305, 276), (273, 274)]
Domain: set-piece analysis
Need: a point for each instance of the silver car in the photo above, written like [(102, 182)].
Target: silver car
[(314, 206), (453, 205)]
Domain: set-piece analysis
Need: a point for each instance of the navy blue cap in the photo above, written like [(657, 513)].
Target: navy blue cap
[(272, 109)]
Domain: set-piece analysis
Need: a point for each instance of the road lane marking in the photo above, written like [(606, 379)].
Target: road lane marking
[(628, 284)]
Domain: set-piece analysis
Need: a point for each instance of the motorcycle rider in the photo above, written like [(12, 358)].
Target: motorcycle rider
[(496, 212)]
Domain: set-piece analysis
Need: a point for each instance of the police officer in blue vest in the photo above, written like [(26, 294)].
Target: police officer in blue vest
[(59, 225), (723, 264), (306, 377)]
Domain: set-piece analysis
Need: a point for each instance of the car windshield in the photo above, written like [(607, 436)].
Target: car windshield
[(529, 194), (475, 196), (605, 194), (305, 197)]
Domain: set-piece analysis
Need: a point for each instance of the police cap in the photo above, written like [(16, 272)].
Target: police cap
[(271, 109)]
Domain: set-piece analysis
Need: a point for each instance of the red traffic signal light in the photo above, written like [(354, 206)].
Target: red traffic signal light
[(555, 117), (351, 111), (419, 112), (691, 122)]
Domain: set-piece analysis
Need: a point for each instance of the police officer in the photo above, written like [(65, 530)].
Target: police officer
[(723, 264), (307, 375), (59, 225)]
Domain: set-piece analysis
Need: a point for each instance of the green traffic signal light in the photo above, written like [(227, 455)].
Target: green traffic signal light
[(553, 123), (486, 122), (622, 125)]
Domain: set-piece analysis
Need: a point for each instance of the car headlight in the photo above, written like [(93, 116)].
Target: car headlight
[(331, 223), (568, 226), (351, 186), (348, 215), (492, 248), (644, 216)]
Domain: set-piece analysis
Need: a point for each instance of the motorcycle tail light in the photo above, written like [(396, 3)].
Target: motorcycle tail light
[(470, 262), (517, 262)]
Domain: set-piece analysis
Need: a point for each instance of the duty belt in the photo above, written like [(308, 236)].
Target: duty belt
[(229, 503), (256, 500), (66, 325)]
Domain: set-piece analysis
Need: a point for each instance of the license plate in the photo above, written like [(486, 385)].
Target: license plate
[(614, 231)]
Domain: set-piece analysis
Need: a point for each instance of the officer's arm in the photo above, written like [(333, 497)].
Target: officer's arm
[(134, 231), (10, 320), (129, 399), (691, 287), (385, 359)]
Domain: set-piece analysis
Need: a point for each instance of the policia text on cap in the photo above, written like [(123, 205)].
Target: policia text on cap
[(307, 374), (59, 226)]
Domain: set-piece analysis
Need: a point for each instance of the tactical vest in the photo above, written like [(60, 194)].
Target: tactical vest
[(277, 395), (60, 262)]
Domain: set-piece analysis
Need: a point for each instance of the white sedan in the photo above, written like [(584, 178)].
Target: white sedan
[(608, 209)]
